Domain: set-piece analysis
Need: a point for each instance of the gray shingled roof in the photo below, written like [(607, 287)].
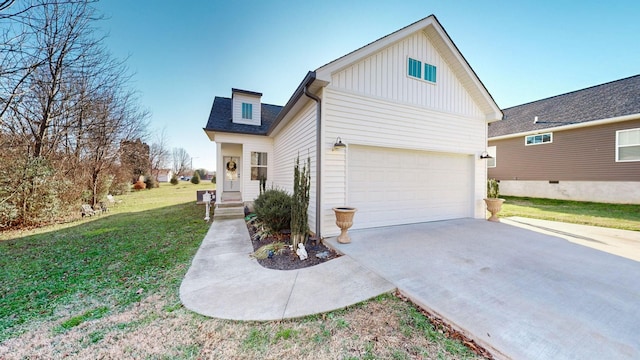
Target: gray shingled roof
[(613, 99), (221, 114)]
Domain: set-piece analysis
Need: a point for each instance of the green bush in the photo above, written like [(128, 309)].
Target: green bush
[(273, 208), (174, 180), (195, 179), (213, 179)]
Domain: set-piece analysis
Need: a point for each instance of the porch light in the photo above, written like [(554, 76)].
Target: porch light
[(485, 155), (339, 144)]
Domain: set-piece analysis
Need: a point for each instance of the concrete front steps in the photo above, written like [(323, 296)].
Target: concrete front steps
[(230, 207)]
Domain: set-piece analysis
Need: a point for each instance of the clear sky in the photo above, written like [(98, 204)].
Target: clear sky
[(184, 53)]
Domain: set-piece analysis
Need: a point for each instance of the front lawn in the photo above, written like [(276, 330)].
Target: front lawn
[(619, 216), (107, 287)]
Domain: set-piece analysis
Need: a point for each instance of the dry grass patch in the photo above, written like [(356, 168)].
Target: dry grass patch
[(383, 328)]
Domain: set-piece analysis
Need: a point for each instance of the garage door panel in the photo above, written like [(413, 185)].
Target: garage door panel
[(393, 186)]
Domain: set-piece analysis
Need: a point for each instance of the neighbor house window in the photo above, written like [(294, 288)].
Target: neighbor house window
[(258, 165), (628, 145), (538, 139), (247, 111), (415, 68), (491, 150), (429, 72)]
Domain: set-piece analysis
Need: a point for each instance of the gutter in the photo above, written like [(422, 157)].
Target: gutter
[(318, 158)]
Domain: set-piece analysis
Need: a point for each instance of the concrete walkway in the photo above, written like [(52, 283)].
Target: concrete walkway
[(520, 293), (224, 282)]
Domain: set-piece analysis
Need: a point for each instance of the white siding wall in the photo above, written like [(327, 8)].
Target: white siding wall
[(298, 137), (238, 99), (243, 145), (384, 75), (360, 120)]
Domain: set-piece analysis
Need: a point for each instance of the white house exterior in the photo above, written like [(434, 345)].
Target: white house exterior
[(164, 175), (413, 116)]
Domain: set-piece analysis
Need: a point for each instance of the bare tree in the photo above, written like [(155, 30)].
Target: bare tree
[(159, 153), (181, 161), (65, 108)]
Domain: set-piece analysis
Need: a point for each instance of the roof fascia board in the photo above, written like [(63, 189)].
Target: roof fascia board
[(283, 116), (570, 127)]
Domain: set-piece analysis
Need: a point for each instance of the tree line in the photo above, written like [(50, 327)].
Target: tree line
[(71, 127)]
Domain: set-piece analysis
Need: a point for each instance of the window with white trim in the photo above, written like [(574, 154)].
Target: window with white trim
[(628, 145), (414, 70), (538, 139), (247, 111), (258, 165), (491, 150)]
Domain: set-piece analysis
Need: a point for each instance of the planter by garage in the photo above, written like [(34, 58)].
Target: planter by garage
[(344, 220)]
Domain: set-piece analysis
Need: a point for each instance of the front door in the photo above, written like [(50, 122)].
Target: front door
[(231, 173)]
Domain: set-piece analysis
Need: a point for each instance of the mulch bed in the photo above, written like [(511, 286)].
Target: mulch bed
[(288, 259)]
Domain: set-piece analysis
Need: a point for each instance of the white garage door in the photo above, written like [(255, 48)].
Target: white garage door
[(392, 186)]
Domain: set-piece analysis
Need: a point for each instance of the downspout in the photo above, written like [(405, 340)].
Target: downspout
[(318, 152)]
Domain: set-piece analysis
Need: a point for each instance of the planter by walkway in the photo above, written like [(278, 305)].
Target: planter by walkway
[(344, 220)]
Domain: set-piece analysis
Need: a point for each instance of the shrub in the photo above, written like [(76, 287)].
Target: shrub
[(151, 182), (174, 180), (195, 179), (139, 185), (493, 189), (273, 208), (213, 179)]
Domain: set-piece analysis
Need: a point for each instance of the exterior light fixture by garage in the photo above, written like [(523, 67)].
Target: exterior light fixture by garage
[(339, 144), (485, 155)]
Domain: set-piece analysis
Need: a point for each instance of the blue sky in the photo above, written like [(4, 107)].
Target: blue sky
[(185, 53)]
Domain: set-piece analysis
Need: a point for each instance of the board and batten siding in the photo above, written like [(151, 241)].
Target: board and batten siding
[(582, 154), (368, 121), (384, 75), (256, 108), (242, 145), (297, 138)]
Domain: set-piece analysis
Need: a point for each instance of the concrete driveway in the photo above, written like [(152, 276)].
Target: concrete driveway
[(520, 293)]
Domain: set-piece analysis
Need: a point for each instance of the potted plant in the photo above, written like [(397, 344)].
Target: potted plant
[(344, 220), (494, 204)]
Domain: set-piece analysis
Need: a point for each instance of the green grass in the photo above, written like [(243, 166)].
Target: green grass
[(105, 262), (619, 216)]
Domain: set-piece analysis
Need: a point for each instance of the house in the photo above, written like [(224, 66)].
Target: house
[(408, 115), (164, 175), (583, 145)]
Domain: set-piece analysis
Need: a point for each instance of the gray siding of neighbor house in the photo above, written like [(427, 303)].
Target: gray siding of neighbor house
[(584, 154)]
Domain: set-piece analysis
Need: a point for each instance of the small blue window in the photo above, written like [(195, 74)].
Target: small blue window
[(429, 72), (247, 111), (415, 68)]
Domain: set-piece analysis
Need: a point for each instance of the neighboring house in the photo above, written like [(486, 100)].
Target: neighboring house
[(164, 175), (583, 145), (412, 114)]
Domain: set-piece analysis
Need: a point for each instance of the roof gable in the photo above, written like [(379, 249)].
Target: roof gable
[(430, 27), (605, 101)]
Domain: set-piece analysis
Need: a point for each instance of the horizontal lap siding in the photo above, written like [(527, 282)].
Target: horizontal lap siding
[(585, 154), (359, 120), (297, 138), (384, 75)]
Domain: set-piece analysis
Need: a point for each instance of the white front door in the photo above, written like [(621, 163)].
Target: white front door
[(231, 173)]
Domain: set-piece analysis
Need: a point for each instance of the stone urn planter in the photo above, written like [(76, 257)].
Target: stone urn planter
[(344, 220), (494, 206)]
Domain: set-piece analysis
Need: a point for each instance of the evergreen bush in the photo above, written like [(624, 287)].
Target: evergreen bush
[(273, 209), (195, 179), (174, 180), (300, 202), (151, 182)]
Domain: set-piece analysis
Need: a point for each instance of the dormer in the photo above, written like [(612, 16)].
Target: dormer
[(246, 107)]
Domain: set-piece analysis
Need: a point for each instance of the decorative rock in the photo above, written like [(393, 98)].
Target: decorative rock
[(302, 252), (322, 255)]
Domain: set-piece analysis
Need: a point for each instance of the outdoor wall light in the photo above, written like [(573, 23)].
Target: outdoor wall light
[(339, 144), (485, 155)]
